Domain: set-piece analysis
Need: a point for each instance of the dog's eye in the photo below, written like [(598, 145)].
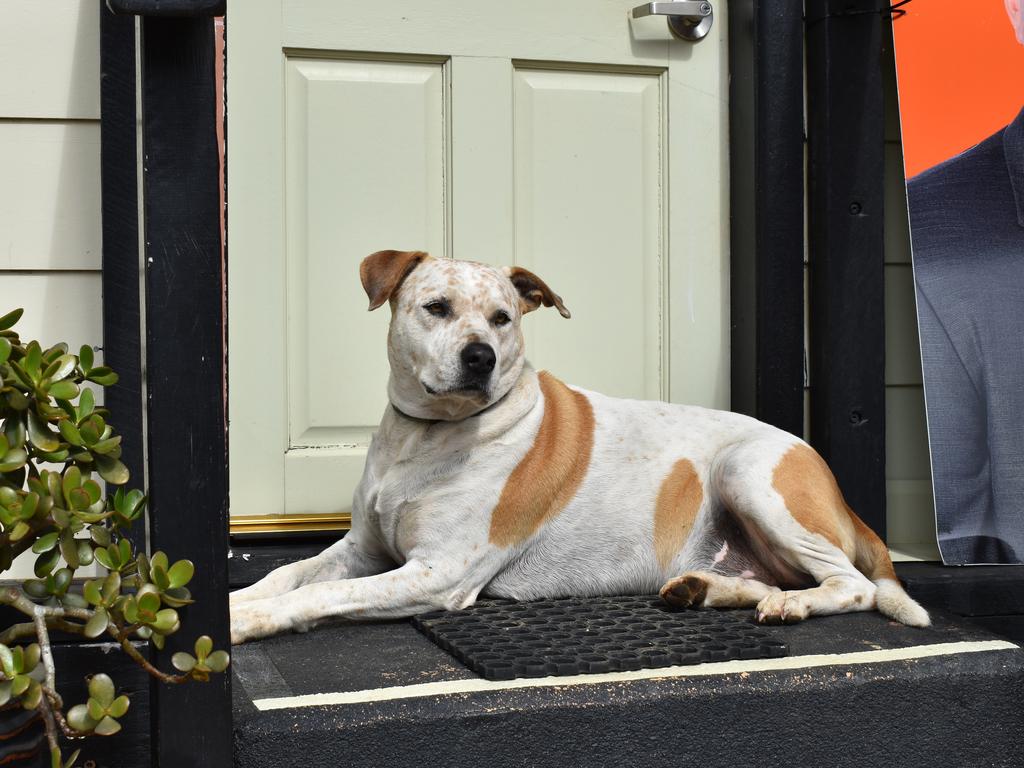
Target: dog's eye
[(501, 318), (438, 308)]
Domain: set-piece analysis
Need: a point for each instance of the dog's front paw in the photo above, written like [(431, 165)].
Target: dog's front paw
[(253, 620), (782, 608)]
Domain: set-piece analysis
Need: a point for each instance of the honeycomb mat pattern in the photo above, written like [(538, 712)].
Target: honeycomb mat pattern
[(503, 640)]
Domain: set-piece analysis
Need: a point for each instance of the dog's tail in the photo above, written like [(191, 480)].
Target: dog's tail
[(872, 559)]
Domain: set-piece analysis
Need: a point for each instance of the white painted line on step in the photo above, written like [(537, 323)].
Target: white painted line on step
[(479, 685)]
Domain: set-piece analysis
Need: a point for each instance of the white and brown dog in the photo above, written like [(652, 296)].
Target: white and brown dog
[(488, 477)]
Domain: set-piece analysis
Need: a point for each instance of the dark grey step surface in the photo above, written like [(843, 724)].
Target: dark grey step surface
[(856, 690)]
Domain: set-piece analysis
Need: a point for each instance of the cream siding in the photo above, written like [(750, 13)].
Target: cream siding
[(50, 171), (911, 520)]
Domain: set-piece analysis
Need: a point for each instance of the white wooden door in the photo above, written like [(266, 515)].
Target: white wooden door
[(563, 136)]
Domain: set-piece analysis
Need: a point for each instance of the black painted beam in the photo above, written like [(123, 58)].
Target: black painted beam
[(122, 326), (846, 135), (185, 369), (179, 8), (766, 136)]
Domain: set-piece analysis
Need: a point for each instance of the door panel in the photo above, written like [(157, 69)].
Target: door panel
[(340, 204), (564, 137), (588, 171)]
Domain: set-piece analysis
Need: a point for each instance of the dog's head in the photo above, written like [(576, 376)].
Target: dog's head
[(455, 344)]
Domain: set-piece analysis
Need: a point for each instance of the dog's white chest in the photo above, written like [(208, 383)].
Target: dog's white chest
[(409, 469)]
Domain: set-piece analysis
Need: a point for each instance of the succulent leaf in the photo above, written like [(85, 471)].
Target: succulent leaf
[(203, 646), (183, 662), (119, 706), (79, 719), (46, 562), (111, 469), (108, 726), (45, 543), (101, 688), (10, 318), (218, 661), (91, 592), (63, 390), (40, 435), (85, 357), (180, 573), (32, 696), (97, 623)]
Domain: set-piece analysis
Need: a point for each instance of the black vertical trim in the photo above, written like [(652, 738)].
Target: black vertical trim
[(846, 135), (119, 183), (767, 209), (185, 369)]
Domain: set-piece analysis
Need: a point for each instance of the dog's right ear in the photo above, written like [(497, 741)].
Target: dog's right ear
[(382, 272)]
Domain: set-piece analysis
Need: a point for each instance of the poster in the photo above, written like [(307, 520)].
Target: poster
[(960, 72)]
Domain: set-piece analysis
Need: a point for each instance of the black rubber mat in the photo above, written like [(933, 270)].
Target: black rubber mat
[(502, 639)]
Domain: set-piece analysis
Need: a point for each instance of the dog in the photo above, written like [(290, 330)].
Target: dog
[(487, 477)]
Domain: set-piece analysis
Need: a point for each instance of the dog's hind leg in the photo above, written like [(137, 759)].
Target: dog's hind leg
[(794, 516), (696, 589), (347, 559)]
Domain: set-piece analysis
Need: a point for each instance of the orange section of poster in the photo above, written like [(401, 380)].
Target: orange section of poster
[(961, 75)]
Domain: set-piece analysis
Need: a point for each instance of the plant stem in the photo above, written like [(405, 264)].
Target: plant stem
[(142, 661), (14, 598), (44, 645), (50, 723), (123, 634), (17, 632), (56, 705), (55, 699)]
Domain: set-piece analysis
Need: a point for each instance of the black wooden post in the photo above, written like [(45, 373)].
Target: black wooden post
[(846, 134), (183, 313), (122, 347), (122, 325), (766, 136), (185, 330)]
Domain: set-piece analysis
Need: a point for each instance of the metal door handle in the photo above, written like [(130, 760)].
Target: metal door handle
[(688, 19)]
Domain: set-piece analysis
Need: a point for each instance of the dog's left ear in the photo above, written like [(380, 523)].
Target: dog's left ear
[(534, 292), (382, 272)]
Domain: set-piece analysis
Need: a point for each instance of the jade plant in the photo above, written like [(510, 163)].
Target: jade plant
[(54, 444)]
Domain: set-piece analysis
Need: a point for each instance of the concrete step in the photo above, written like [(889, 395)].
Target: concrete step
[(991, 596), (855, 690)]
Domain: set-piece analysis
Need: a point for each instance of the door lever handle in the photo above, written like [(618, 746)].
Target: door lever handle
[(687, 19)]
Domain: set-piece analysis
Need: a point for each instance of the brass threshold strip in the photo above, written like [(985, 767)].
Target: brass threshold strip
[(334, 521)]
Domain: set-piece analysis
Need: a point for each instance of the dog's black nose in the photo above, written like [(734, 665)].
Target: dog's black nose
[(478, 358)]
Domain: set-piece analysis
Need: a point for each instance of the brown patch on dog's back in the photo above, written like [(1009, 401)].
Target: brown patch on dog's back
[(813, 498), (679, 498), (552, 470)]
